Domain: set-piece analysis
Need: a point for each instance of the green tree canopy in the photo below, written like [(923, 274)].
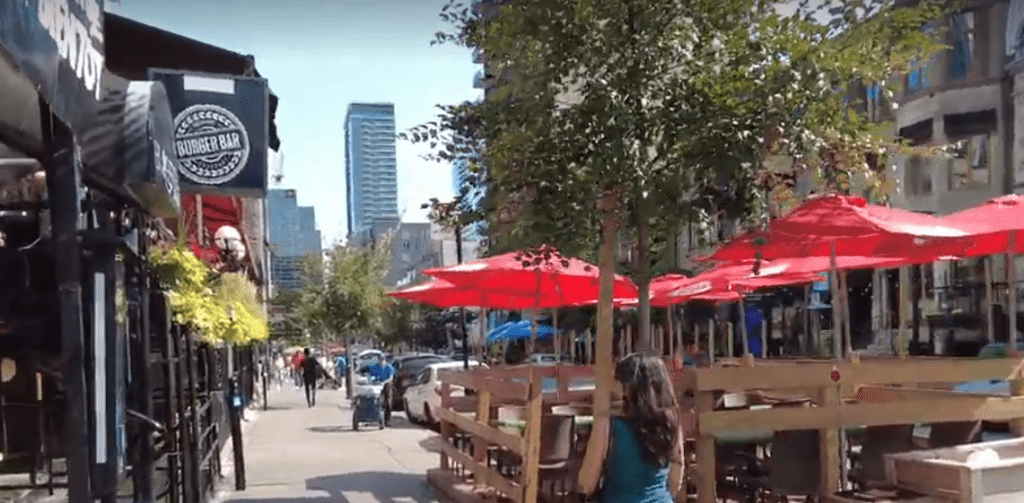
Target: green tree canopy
[(345, 293), (673, 107)]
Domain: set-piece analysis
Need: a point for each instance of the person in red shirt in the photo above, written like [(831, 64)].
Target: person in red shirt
[(297, 360)]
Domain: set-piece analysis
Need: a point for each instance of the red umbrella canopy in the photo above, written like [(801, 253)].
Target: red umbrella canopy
[(992, 224), (617, 302), (723, 279), (813, 265), (856, 228), (546, 277), (439, 293)]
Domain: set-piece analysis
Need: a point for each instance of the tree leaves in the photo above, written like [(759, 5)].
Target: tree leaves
[(677, 105)]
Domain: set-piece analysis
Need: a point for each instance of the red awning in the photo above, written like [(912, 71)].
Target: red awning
[(217, 212)]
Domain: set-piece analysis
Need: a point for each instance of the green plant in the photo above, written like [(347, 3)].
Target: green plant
[(222, 309)]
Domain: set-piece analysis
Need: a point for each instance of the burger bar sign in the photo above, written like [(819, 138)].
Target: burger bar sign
[(220, 132)]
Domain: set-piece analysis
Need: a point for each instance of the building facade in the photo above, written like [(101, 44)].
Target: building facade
[(370, 165), (411, 245), (293, 237)]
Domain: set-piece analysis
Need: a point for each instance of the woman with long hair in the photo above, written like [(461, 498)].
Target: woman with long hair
[(643, 463)]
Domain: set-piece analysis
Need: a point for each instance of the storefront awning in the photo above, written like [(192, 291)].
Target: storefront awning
[(129, 151), (60, 50)]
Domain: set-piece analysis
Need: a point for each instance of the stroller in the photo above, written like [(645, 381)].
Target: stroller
[(368, 403)]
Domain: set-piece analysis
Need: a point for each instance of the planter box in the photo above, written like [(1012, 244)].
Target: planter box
[(988, 472)]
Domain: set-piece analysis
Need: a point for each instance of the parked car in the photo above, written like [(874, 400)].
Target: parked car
[(544, 359), (423, 396), (366, 357), (406, 369)]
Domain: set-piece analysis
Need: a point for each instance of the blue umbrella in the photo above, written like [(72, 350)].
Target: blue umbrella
[(519, 330)]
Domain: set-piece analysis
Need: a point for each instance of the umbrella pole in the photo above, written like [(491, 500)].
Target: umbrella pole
[(670, 327), (1011, 293), (847, 334), (804, 338), (711, 341), (533, 332), (990, 300), (558, 335), (837, 342), (743, 327), (482, 319)]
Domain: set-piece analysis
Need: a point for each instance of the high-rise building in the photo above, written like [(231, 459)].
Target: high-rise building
[(472, 199), (371, 171), (293, 237)]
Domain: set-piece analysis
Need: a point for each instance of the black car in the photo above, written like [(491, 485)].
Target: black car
[(406, 368)]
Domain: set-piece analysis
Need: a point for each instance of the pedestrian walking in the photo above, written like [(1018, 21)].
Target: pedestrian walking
[(297, 367), (311, 371)]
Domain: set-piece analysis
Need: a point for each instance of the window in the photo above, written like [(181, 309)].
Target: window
[(961, 53), (422, 378), (970, 166), (921, 74), (919, 175)]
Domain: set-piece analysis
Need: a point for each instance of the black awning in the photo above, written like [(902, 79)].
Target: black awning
[(128, 150), (133, 48), (36, 36)]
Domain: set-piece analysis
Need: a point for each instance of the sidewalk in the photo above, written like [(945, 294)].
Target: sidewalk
[(294, 454)]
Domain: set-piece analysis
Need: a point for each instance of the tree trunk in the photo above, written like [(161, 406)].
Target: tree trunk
[(643, 275), (593, 460)]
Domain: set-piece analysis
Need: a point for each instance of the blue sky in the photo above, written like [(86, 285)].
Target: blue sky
[(320, 55)]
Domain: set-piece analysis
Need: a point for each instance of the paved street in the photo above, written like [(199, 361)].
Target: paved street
[(297, 454)]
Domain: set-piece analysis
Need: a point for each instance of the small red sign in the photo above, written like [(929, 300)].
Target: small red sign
[(835, 375)]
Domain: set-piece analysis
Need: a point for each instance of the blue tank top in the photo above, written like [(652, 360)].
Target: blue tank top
[(628, 478)]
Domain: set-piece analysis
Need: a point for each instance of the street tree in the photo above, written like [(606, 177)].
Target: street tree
[(667, 110), (344, 293), (654, 110)]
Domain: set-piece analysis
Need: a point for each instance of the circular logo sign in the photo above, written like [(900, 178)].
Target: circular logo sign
[(212, 144)]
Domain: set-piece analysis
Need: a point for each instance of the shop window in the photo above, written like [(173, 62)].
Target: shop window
[(971, 162), (961, 52), (919, 175)]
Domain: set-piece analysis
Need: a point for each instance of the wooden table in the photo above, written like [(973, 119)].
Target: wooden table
[(881, 496)]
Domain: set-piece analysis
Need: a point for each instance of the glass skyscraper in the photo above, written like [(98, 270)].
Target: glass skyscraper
[(370, 165), (293, 237)]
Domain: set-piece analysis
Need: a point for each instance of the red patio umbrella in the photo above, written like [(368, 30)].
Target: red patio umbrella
[(855, 227), (724, 279), (549, 282), (993, 225), (440, 293)]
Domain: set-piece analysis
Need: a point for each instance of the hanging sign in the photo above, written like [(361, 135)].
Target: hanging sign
[(221, 134), (59, 46)]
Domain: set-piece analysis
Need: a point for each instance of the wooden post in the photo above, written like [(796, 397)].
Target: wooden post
[(446, 428), (572, 346), (671, 327), (531, 461), (845, 294), (483, 416), (828, 397), (765, 336), (989, 300), (1011, 293), (743, 327), (807, 345), (711, 342), (706, 462), (200, 233), (837, 322)]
